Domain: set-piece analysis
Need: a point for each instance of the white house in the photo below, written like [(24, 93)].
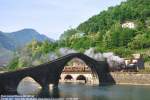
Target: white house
[(128, 24)]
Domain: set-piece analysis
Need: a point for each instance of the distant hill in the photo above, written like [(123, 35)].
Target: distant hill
[(18, 39), (6, 42), (13, 40), (5, 56)]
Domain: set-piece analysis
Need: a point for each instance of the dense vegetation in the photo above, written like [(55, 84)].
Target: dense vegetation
[(132, 10), (103, 32), (32, 54)]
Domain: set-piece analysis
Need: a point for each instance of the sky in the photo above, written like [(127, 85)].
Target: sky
[(49, 17)]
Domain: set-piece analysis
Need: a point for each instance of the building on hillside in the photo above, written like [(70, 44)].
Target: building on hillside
[(128, 24)]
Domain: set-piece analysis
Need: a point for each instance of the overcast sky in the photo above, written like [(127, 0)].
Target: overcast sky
[(49, 17)]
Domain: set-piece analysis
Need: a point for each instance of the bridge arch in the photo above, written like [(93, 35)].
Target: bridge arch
[(86, 61), (81, 77), (68, 77), (100, 68)]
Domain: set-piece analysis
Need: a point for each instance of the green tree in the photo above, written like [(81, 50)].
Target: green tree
[(13, 64), (141, 41), (126, 35), (68, 33)]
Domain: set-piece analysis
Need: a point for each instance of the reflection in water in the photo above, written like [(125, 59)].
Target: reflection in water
[(53, 93), (28, 86), (115, 92)]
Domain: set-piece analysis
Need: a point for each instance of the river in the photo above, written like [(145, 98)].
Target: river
[(115, 92)]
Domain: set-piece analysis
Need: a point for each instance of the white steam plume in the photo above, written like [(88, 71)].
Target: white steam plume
[(91, 53), (52, 56), (66, 51), (113, 60)]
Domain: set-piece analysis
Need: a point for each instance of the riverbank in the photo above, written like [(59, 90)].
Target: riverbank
[(128, 78), (131, 78)]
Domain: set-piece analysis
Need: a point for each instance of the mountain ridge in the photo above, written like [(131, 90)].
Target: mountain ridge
[(11, 41), (17, 39)]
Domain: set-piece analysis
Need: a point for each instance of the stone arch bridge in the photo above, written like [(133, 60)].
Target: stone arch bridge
[(49, 73)]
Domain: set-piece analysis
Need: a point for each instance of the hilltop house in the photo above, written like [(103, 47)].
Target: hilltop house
[(128, 24)]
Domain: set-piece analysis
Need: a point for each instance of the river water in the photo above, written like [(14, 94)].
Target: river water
[(115, 92)]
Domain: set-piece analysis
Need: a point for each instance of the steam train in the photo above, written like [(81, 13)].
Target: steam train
[(130, 65)]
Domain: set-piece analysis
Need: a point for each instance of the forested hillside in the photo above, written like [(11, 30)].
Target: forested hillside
[(132, 10), (105, 30)]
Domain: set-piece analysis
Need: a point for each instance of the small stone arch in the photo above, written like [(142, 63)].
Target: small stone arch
[(81, 77), (68, 77)]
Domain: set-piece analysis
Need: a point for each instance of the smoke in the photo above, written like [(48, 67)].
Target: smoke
[(66, 51), (108, 54), (52, 56), (92, 53), (111, 58)]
